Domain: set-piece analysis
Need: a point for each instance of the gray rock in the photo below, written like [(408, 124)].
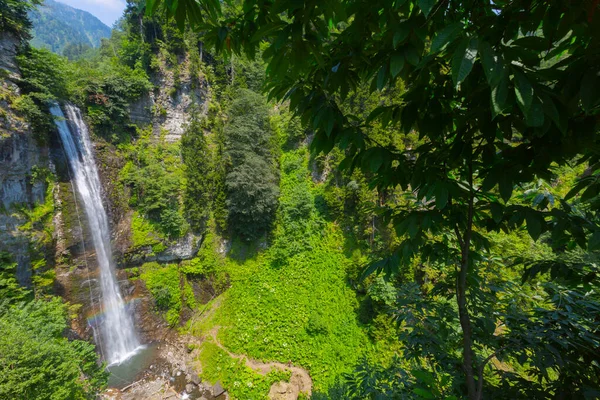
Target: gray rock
[(188, 378), (217, 389), (189, 388), (196, 379)]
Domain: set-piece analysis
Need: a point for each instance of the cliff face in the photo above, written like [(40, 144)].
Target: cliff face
[(167, 107), (179, 90), (21, 161)]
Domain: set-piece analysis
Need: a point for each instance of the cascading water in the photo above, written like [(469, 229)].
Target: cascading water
[(118, 337)]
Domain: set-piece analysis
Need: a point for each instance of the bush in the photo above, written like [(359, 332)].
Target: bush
[(37, 362)]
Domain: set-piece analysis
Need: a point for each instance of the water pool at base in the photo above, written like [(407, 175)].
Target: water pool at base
[(128, 371)]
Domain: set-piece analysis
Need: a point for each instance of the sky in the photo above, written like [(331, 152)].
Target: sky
[(107, 11)]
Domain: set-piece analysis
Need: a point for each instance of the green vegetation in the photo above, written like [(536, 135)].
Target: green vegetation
[(251, 183), (291, 302), (440, 240), (198, 173), (502, 95), (13, 17), (154, 176), (241, 381), (169, 288), (37, 362)]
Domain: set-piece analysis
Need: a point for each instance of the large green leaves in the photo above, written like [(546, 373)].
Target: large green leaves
[(523, 91), (463, 59), (445, 36)]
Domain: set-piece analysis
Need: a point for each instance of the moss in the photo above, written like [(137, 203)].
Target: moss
[(143, 234)]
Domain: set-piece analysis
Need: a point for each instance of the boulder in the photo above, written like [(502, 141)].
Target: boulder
[(217, 389), (196, 379)]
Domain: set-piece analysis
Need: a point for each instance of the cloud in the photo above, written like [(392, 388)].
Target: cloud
[(107, 11)]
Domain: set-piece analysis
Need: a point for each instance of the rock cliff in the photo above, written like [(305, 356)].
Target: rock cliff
[(21, 161)]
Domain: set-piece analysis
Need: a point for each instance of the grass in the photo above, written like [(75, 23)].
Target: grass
[(241, 381), (292, 302)]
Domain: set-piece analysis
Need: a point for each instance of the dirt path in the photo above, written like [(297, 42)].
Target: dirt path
[(300, 381)]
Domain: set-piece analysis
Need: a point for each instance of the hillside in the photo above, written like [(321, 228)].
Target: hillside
[(56, 26), (283, 200)]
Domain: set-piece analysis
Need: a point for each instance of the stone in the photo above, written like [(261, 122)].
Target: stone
[(188, 378), (196, 379), (217, 389), (189, 388)]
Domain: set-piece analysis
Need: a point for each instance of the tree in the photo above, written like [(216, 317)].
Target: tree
[(500, 93), (197, 160), (13, 17), (251, 184), (36, 361)]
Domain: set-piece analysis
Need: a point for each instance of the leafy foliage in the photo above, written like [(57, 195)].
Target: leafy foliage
[(170, 290), (13, 16), (199, 185), (36, 361), (251, 183), (500, 94)]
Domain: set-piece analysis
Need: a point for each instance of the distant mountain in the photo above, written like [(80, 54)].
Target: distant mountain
[(57, 26)]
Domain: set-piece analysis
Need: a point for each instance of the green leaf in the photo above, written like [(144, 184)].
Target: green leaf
[(375, 162), (534, 225), (222, 33), (535, 117), (381, 77), (492, 65), (441, 195), (445, 36), (426, 6), (505, 186), (463, 60), (499, 96), (423, 376), (551, 111), (396, 64), (523, 91), (267, 30), (533, 43), (594, 241), (411, 54), (401, 34), (151, 6), (497, 212), (425, 394)]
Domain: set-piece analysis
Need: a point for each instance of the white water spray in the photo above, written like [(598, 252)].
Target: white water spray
[(118, 336)]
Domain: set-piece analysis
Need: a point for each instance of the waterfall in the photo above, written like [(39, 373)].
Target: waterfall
[(118, 338)]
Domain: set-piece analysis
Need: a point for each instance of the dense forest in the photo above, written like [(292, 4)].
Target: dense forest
[(387, 200)]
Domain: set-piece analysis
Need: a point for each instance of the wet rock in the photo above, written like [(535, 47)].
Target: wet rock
[(189, 388), (217, 389)]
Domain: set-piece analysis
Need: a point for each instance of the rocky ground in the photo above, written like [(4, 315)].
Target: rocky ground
[(170, 376)]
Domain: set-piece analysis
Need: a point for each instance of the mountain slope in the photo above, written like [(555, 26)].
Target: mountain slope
[(56, 25)]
